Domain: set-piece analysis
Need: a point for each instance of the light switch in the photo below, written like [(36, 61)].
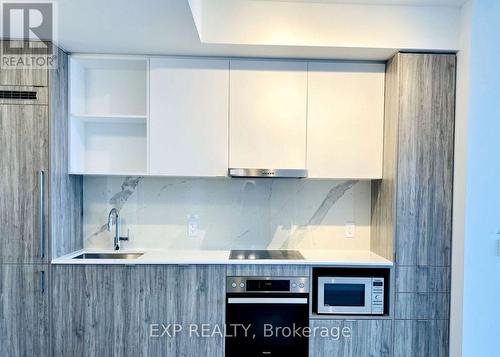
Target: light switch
[(350, 229), (192, 225)]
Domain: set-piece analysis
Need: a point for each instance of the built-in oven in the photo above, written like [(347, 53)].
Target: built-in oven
[(350, 295), (266, 316)]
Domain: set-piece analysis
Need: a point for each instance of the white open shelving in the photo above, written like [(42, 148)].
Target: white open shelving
[(108, 114)]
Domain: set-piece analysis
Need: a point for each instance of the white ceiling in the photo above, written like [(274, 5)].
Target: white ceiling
[(160, 27), (126, 26), (167, 27), (385, 2)]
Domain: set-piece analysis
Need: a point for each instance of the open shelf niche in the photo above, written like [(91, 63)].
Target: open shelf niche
[(108, 105)]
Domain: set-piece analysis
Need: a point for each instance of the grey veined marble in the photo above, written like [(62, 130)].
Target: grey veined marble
[(120, 198), (237, 214), (331, 198)]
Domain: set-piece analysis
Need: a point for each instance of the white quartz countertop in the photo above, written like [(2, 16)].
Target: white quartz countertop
[(192, 257)]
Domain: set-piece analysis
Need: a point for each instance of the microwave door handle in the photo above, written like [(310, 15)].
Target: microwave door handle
[(256, 300)]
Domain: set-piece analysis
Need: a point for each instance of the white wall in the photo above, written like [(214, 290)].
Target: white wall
[(481, 265), (459, 184)]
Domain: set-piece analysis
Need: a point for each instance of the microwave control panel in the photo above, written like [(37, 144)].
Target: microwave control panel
[(378, 296)]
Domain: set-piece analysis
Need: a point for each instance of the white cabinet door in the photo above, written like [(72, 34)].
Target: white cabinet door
[(188, 133), (345, 122), (268, 101)]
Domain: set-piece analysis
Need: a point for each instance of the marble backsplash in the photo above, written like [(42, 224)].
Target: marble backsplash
[(230, 213)]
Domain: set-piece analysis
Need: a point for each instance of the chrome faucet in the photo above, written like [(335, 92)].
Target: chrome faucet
[(117, 238)]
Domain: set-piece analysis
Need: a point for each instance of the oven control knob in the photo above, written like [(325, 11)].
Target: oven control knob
[(233, 284), (242, 285), (294, 285), (301, 285), (377, 297)]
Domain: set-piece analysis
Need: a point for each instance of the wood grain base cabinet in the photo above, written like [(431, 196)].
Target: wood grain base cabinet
[(94, 311), (366, 338), (185, 295), (421, 338), (110, 310), (24, 310)]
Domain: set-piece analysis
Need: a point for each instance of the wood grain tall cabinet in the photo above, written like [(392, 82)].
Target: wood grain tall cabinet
[(412, 204), (40, 205)]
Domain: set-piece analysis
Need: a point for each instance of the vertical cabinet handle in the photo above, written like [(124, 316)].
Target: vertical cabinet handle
[(41, 211), (42, 281)]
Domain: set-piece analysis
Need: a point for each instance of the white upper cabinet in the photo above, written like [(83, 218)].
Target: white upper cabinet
[(188, 133), (173, 116), (267, 125), (345, 121)]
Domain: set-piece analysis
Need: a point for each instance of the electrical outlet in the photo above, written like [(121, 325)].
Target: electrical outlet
[(192, 225), (350, 230)]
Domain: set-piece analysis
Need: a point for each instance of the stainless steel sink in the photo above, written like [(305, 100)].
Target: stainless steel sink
[(109, 256)]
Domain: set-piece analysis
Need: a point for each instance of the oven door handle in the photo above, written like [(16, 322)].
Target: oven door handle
[(264, 300)]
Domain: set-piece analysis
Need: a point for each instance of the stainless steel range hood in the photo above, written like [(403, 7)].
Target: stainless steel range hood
[(267, 173)]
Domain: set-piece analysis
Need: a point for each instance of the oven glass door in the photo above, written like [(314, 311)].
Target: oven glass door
[(344, 295), (255, 312)]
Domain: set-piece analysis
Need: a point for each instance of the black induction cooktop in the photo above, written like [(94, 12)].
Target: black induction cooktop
[(266, 254)]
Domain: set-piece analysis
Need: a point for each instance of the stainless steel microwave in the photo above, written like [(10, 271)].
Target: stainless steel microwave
[(350, 295)]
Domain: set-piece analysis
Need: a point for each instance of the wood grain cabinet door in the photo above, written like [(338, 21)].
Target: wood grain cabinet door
[(23, 77), (11, 74), (24, 310), (200, 302), (23, 156), (350, 338), (421, 338), (94, 310), (188, 297), (425, 159)]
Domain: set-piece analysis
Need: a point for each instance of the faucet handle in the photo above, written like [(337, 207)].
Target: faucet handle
[(128, 235)]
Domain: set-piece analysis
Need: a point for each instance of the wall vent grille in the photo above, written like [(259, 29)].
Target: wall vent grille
[(18, 94)]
